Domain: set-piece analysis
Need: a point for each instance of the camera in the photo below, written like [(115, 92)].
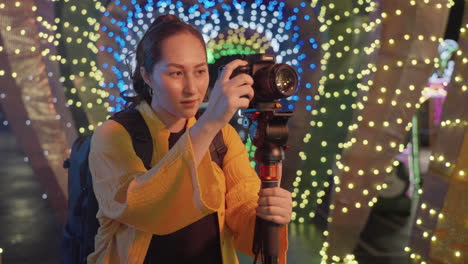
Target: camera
[(272, 81)]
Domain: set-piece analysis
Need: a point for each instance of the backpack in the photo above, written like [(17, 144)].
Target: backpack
[(82, 225)]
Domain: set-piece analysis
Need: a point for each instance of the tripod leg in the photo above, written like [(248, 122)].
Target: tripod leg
[(270, 242), (266, 235)]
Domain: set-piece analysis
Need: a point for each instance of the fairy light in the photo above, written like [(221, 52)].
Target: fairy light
[(85, 35), (431, 214), (340, 38), (328, 17)]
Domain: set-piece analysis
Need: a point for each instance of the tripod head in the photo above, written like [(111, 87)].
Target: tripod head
[(268, 131)]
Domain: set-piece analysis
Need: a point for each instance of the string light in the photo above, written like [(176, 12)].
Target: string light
[(80, 28), (332, 54), (429, 215)]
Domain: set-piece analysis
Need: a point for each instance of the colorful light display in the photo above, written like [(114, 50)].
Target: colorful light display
[(69, 62)]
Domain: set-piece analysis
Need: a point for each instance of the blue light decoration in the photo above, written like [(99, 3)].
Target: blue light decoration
[(236, 27), (228, 28)]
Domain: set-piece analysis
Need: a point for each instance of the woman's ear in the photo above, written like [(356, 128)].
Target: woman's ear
[(145, 76)]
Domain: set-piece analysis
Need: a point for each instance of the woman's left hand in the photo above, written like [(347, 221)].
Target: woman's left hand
[(275, 205)]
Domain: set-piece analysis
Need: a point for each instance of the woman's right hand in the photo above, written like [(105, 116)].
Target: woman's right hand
[(229, 95)]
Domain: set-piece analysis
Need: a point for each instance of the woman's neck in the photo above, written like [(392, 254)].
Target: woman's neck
[(173, 123)]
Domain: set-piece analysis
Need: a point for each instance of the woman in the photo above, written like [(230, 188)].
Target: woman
[(185, 209)]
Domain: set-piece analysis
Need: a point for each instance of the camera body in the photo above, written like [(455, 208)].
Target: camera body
[(272, 81), (256, 62)]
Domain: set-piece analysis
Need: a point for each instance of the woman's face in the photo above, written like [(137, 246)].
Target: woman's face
[(180, 79)]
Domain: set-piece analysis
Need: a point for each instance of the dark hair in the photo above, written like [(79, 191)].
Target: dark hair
[(148, 51)]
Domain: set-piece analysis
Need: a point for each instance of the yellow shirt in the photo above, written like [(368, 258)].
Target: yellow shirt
[(135, 203)]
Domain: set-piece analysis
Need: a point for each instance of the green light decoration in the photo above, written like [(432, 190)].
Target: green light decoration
[(415, 171), (335, 103), (251, 151), (235, 43)]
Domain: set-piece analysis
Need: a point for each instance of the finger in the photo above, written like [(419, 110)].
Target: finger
[(273, 201), (284, 203), (276, 191), (275, 219), (273, 210), (283, 217), (230, 67), (242, 79), (245, 91), (243, 103)]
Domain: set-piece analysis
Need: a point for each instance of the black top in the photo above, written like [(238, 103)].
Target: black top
[(195, 243)]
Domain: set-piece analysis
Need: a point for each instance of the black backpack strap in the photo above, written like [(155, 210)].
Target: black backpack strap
[(133, 122), (218, 149)]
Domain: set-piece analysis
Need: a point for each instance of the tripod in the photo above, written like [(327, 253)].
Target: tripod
[(270, 134)]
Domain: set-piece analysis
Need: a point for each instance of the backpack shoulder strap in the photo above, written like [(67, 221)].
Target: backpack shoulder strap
[(133, 122), (218, 149)]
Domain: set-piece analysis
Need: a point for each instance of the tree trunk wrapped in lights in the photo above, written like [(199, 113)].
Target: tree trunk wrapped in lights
[(32, 97), (440, 234), (408, 39)]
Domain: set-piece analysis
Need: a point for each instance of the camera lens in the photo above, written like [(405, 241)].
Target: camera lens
[(286, 80), (275, 82)]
